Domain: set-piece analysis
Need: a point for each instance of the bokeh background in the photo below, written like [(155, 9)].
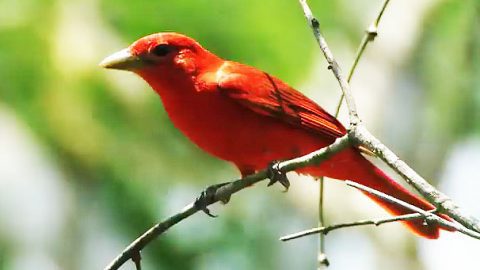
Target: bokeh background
[(89, 160)]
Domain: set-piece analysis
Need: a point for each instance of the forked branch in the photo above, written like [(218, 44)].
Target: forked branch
[(361, 136)]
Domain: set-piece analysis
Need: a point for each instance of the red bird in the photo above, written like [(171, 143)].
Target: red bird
[(250, 118)]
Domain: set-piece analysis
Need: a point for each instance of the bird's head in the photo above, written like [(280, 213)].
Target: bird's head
[(161, 52)]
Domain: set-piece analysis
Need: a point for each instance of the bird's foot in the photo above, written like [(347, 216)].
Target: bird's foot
[(207, 197), (275, 174)]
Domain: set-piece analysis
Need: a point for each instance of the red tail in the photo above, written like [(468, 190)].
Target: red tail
[(388, 186), (356, 168)]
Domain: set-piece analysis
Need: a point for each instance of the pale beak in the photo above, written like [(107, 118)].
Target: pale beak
[(123, 60)]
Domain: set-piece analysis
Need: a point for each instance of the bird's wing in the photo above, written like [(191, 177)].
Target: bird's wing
[(270, 96)]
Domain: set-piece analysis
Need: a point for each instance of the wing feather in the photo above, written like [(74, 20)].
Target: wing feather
[(268, 95)]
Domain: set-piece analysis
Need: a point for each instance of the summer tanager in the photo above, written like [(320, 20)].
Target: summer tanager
[(250, 118)]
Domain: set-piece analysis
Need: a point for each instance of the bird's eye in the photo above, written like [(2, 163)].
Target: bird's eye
[(161, 50)]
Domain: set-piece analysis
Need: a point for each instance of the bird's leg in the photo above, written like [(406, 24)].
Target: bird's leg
[(275, 174), (208, 196)]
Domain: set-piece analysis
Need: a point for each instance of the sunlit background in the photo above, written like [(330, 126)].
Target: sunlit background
[(89, 159)]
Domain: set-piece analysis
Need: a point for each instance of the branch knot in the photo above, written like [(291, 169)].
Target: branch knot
[(372, 32)]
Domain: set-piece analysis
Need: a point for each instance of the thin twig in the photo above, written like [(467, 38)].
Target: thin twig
[(325, 230), (314, 158), (370, 34), (322, 256), (429, 217), (137, 259), (332, 63)]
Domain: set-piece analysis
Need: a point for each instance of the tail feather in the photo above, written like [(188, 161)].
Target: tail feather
[(365, 173), (381, 182)]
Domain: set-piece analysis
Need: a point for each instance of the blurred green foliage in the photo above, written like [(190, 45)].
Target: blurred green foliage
[(449, 67), (447, 64), (125, 159)]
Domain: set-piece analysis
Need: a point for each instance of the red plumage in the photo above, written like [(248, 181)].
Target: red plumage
[(250, 118)]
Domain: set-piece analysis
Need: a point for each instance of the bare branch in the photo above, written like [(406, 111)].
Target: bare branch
[(368, 37), (137, 259), (322, 256), (370, 34), (325, 230), (333, 65), (361, 136), (441, 201), (430, 217), (132, 251)]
